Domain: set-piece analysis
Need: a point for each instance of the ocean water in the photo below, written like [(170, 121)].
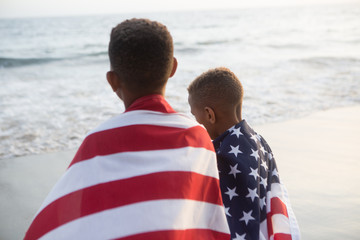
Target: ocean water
[(292, 61)]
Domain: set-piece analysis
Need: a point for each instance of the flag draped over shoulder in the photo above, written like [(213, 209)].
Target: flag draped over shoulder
[(149, 173), (256, 202)]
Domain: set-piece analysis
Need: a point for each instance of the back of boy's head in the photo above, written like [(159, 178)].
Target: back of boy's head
[(217, 88), (141, 53)]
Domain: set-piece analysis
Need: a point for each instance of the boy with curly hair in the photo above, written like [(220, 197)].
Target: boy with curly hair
[(255, 201)]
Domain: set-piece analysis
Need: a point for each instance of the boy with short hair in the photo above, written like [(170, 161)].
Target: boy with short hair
[(148, 173), (256, 203)]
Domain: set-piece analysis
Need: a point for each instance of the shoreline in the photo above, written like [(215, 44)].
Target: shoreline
[(316, 156)]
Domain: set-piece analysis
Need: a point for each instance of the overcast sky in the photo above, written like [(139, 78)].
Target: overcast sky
[(41, 8)]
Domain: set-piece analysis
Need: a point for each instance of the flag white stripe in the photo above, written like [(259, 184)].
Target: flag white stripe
[(147, 117), (294, 227), (144, 217), (279, 190), (276, 191), (280, 224), (263, 234), (86, 173)]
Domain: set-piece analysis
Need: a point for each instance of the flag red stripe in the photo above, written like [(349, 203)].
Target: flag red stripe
[(141, 138), (277, 207), (109, 195), (282, 236), (188, 234)]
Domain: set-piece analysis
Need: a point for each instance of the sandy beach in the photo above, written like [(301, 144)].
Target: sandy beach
[(318, 161), (317, 158)]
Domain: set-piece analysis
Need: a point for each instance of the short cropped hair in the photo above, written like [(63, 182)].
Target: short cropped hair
[(141, 53), (218, 87)]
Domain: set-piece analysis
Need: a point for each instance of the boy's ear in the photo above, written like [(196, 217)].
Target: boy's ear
[(210, 115), (174, 67), (113, 80)]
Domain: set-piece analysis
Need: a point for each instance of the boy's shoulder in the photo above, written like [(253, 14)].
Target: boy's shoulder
[(239, 130), (240, 138)]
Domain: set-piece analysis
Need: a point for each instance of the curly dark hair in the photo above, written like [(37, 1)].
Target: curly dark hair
[(218, 87), (141, 53)]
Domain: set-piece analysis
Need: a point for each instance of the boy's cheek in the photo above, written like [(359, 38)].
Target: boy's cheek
[(199, 120)]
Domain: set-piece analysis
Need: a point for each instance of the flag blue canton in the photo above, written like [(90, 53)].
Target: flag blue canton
[(247, 169)]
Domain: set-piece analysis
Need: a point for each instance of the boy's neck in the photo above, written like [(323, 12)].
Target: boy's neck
[(227, 125), (228, 120), (130, 97)]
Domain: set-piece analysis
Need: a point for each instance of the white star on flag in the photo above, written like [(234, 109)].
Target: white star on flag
[(254, 173), (235, 150), (258, 137), (234, 170), (232, 128), (275, 173), (262, 149), (239, 237), (263, 182), (236, 131), (247, 217), (254, 154), (254, 138), (264, 165), (231, 193), (252, 194), (227, 211)]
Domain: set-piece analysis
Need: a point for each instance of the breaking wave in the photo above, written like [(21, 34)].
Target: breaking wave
[(6, 62)]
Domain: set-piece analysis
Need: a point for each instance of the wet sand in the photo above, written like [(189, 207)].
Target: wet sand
[(319, 161)]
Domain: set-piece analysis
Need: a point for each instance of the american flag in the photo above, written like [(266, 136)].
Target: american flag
[(255, 201), (149, 173)]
